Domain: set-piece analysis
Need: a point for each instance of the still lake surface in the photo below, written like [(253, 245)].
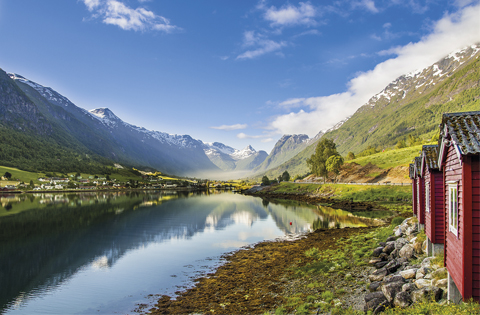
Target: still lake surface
[(105, 253)]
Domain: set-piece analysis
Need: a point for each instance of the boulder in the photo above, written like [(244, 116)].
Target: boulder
[(393, 254), (406, 251), (441, 283), (380, 264), (429, 293), (402, 299), (382, 244), (399, 232), (373, 304), (421, 283), (381, 308), (373, 295), (393, 278), (408, 273), (440, 272), (373, 261), (399, 243), (391, 239), (374, 286), (377, 251), (409, 287), (392, 266), (378, 275), (391, 289), (389, 248)]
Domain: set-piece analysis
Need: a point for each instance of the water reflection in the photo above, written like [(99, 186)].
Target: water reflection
[(46, 239)]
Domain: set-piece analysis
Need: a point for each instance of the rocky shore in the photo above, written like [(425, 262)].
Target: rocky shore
[(398, 277)]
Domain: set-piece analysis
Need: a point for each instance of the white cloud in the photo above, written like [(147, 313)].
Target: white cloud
[(290, 15), (452, 32), (241, 135), (261, 45), (368, 5), (231, 127), (114, 12)]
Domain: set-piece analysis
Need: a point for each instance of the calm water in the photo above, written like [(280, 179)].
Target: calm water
[(104, 253)]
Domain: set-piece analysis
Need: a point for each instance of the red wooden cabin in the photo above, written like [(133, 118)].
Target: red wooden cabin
[(414, 189), (420, 196), (434, 213), (459, 158)]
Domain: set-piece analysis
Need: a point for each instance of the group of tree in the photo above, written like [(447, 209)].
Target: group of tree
[(325, 159), (285, 177)]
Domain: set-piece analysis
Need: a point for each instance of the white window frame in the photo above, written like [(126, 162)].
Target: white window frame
[(427, 197), (453, 207)]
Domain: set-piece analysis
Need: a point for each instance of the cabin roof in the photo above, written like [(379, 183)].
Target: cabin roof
[(430, 152), (418, 165), (411, 170), (463, 129)]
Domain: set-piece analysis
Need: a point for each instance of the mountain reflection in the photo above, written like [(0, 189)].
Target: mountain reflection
[(46, 238)]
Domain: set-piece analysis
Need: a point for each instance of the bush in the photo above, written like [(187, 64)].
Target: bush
[(397, 221)]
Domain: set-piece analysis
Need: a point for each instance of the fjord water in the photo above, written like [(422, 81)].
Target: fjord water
[(105, 253)]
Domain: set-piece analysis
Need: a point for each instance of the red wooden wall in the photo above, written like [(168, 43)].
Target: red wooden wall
[(476, 226), (420, 183), (453, 244), (434, 220)]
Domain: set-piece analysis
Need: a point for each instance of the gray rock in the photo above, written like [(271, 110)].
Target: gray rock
[(421, 283), (381, 308), (409, 287), (392, 266), (391, 239), (441, 283), (406, 251), (399, 243), (393, 278), (391, 289), (374, 286), (411, 229), (378, 275), (373, 295), (408, 273), (377, 251), (399, 232), (373, 261), (429, 293), (427, 262), (374, 303), (382, 244), (402, 299), (439, 272), (389, 248), (380, 264), (393, 254)]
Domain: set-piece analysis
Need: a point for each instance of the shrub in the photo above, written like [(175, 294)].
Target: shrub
[(397, 221)]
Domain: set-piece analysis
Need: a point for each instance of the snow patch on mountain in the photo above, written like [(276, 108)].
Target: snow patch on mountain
[(217, 148), (245, 153)]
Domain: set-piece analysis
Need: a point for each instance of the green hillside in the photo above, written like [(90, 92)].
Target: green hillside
[(383, 125)]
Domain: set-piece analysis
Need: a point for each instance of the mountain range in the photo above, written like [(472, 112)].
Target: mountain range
[(41, 129)]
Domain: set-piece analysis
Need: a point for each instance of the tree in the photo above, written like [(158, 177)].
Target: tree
[(285, 176), (350, 156), (325, 149), (31, 184), (279, 179), (265, 180), (401, 144), (7, 175), (333, 164)]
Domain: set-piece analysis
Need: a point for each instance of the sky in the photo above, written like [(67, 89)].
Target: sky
[(236, 72)]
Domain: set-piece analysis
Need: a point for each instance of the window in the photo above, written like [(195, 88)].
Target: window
[(427, 197), (453, 207)]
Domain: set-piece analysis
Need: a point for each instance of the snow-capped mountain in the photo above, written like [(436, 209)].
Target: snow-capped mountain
[(422, 81), (230, 159), (101, 131)]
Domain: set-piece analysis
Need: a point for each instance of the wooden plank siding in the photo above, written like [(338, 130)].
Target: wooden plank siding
[(439, 209), (476, 227), (420, 199), (454, 244), (429, 213), (414, 194)]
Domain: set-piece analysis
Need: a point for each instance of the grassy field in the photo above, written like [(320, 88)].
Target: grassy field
[(349, 192), (391, 158)]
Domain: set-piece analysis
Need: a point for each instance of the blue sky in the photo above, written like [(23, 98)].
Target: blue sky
[(238, 72)]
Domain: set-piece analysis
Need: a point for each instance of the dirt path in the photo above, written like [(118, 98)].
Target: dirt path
[(258, 279)]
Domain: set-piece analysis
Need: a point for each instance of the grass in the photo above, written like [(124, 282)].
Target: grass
[(390, 158), (432, 308), (358, 193)]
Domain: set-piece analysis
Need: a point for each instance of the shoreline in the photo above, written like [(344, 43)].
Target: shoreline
[(259, 278)]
